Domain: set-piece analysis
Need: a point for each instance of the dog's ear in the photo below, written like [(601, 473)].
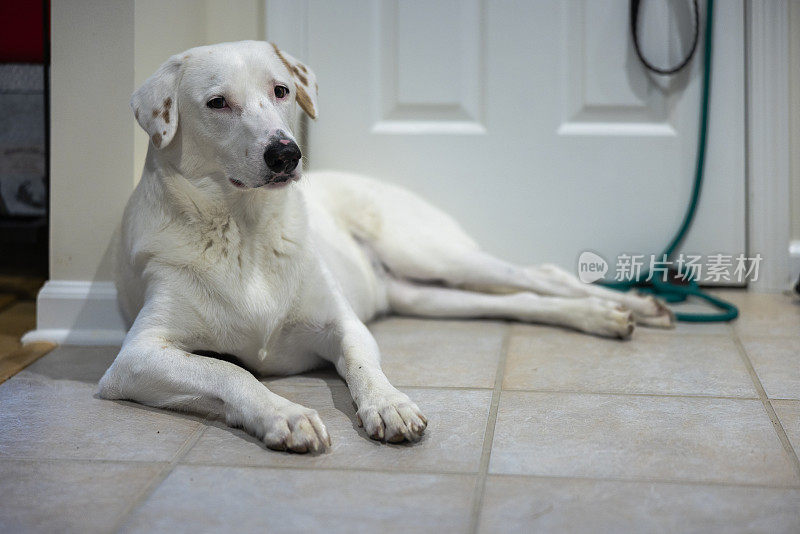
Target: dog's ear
[(305, 82), (155, 103)]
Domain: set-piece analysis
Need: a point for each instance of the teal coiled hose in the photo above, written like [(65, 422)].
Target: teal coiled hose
[(670, 290)]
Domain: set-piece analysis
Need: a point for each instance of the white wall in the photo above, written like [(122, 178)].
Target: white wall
[(101, 51), (91, 134), (794, 117)]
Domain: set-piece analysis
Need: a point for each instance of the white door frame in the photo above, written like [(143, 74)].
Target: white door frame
[(768, 141)]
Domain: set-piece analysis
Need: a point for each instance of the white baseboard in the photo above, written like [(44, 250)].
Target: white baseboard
[(78, 313), (794, 258), (86, 313)]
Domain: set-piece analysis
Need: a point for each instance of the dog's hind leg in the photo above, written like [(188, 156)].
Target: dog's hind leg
[(476, 270), (418, 241), (591, 315)]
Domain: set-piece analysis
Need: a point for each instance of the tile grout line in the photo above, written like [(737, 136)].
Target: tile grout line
[(622, 394), (375, 470), (788, 337), (398, 386), (546, 390), (342, 468), (541, 390), (159, 477), (81, 460), (765, 401), (378, 470), (488, 438), (315, 468), (645, 480)]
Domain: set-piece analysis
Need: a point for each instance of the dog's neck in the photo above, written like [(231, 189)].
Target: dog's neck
[(201, 200)]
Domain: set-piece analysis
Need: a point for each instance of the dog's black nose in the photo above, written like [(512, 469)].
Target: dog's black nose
[(282, 155)]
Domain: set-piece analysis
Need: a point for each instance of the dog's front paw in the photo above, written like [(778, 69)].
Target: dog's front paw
[(294, 428), (392, 418)]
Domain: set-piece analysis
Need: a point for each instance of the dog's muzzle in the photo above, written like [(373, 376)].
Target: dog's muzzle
[(282, 154)]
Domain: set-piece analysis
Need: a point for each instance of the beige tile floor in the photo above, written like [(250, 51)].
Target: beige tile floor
[(531, 429)]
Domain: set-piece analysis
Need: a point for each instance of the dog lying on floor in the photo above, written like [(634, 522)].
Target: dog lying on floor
[(228, 247)]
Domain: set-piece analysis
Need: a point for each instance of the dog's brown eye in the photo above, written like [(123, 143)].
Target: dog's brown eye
[(217, 103), (281, 91)]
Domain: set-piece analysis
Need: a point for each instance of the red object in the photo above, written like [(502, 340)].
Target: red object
[(22, 31)]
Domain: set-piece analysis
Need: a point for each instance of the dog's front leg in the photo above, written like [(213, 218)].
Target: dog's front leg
[(151, 370), (384, 412)]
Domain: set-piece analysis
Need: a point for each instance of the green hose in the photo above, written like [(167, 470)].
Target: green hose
[(667, 290)]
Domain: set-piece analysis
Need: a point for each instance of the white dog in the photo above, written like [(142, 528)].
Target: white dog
[(227, 247)]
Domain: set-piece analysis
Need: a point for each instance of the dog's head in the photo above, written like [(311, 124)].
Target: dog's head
[(226, 112)]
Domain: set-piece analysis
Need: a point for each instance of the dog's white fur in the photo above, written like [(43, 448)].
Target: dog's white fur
[(284, 276)]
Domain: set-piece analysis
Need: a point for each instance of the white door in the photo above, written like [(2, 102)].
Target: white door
[(532, 122)]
